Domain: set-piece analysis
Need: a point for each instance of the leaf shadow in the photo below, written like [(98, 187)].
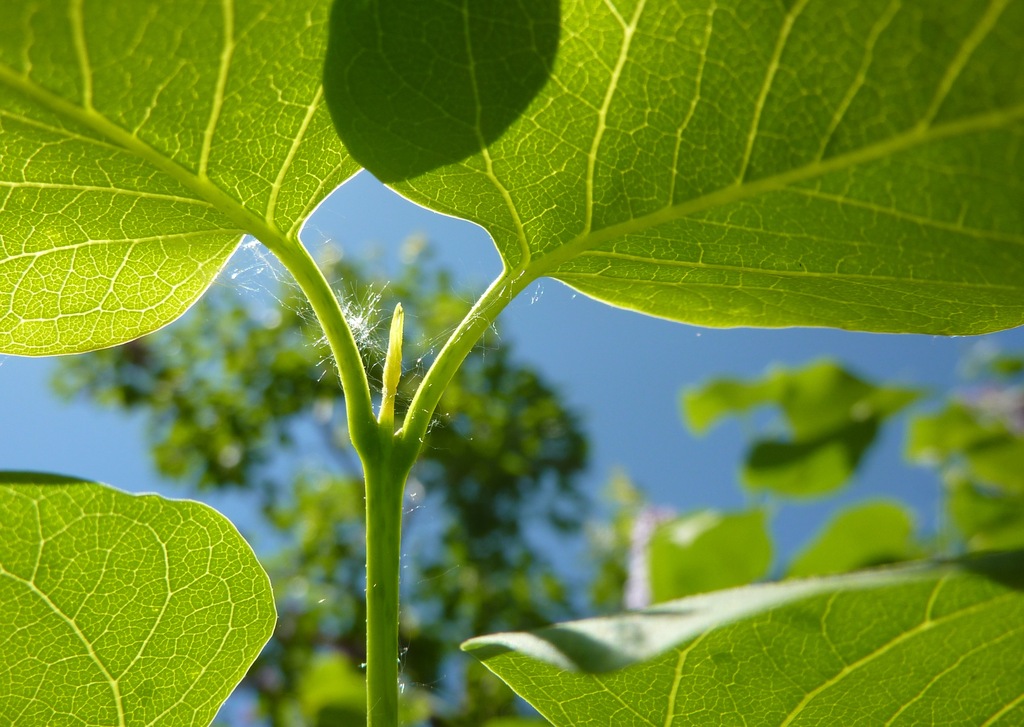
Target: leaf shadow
[(1005, 568), (414, 85)]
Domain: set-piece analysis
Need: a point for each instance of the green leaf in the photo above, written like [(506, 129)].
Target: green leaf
[(708, 551), (139, 141), (1005, 366), (122, 609), (402, 117), (862, 536), (955, 429), (833, 416), (991, 452), (988, 519), (811, 467), (904, 646), (704, 406), (737, 163)]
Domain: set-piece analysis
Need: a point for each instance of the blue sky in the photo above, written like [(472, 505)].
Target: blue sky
[(621, 371)]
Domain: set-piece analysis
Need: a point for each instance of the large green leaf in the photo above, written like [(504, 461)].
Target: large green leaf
[(940, 644), (138, 142), (728, 163), (121, 609)]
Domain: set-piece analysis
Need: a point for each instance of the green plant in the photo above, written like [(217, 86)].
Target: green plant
[(975, 438), (748, 163), (261, 419)]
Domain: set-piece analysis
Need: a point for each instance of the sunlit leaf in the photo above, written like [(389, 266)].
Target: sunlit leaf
[(905, 646), (988, 519), (139, 141), (737, 163), (704, 406), (832, 415), (815, 399), (991, 452), (861, 536), (121, 609), (708, 551)]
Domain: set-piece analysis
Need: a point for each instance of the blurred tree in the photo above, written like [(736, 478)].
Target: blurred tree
[(239, 394)]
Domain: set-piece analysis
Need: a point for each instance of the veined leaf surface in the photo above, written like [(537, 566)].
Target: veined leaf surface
[(139, 141), (749, 162), (914, 645), (122, 609)]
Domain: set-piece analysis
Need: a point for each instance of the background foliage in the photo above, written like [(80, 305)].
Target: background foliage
[(262, 415), (728, 163), (502, 466)]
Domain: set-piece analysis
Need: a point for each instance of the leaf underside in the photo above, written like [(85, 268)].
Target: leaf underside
[(906, 646), (121, 609), (139, 141), (855, 165)]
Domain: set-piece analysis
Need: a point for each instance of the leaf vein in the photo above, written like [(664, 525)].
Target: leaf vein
[(698, 83), (956, 66), (858, 81), (1006, 709), (677, 677), (93, 656), (698, 265), (628, 707), (106, 190), (293, 150), (34, 254), (524, 246), (769, 78), (628, 32), (902, 142), (81, 50), (958, 228), (226, 53), (886, 648), (935, 679)]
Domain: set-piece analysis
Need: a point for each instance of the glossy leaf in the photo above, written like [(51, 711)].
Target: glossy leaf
[(139, 141), (906, 646), (708, 551), (737, 163), (121, 609), (861, 536)]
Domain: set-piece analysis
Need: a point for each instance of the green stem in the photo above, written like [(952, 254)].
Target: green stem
[(385, 476), (483, 313), (362, 424), (384, 487)]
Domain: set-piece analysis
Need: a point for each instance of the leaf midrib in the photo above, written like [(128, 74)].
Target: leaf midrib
[(914, 137), (782, 273), (115, 686), (201, 186)]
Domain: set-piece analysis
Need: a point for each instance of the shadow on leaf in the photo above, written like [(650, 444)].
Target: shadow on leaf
[(413, 85)]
